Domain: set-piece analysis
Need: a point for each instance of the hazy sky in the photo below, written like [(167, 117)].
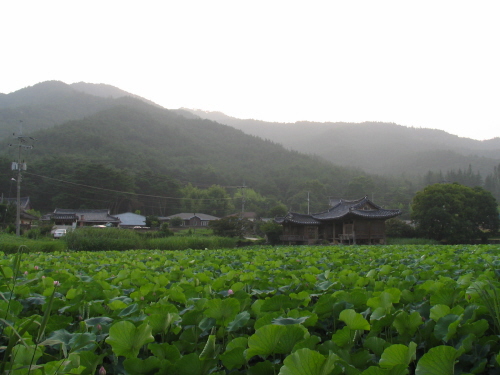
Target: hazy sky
[(423, 63)]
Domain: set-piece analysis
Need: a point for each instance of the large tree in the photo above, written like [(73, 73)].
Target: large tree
[(455, 213)]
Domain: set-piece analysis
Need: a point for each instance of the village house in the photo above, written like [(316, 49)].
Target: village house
[(191, 220), (345, 222), (66, 217)]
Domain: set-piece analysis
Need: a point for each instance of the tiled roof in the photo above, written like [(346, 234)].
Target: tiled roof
[(293, 217), (23, 200), (362, 208), (189, 215), (89, 215)]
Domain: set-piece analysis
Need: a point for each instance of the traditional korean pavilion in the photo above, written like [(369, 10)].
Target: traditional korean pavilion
[(346, 222)]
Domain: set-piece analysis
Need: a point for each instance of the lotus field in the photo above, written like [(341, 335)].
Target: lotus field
[(287, 310)]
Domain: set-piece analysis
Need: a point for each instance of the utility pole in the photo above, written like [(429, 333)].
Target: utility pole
[(20, 166), (242, 199), (308, 203)]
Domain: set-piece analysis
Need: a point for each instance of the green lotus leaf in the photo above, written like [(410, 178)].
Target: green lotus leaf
[(439, 360), (309, 343), (439, 311), (446, 327), (90, 360), (190, 364), (239, 321), (287, 321), (165, 351), (407, 324), (278, 303), (233, 358), (238, 342), (275, 339), (141, 366), (383, 300), (376, 344), (207, 324), (129, 310), (478, 328), (102, 320), (343, 337), (444, 296), (26, 355), (378, 313), (398, 354), (308, 362), (126, 339), (160, 323), (223, 311), (117, 305), (354, 320), (64, 366), (209, 351), (82, 342)]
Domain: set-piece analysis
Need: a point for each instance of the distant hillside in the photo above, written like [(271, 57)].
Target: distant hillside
[(116, 147), (51, 103), (106, 91), (380, 148)]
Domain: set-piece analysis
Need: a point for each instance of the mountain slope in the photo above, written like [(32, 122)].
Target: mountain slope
[(132, 138), (53, 102), (381, 148)]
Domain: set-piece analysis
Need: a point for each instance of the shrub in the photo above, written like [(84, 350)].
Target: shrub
[(96, 239)]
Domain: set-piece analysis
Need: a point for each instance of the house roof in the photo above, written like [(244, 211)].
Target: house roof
[(356, 208), (293, 217), (189, 216), (25, 201), (89, 215), (342, 209), (131, 219)]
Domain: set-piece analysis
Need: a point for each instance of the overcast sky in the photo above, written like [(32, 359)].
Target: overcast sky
[(433, 64)]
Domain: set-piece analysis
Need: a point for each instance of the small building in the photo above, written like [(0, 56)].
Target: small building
[(345, 222), (131, 220), (25, 202), (65, 217), (191, 220)]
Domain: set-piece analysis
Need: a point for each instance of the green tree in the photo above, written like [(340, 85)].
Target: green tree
[(230, 226), (455, 213), (176, 221), (272, 230)]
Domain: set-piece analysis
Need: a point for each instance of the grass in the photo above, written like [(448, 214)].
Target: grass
[(10, 243)]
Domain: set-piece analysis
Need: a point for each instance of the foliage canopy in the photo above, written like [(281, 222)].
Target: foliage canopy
[(455, 213)]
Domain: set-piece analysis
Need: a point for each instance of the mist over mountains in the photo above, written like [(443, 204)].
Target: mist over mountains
[(375, 147), (101, 136)]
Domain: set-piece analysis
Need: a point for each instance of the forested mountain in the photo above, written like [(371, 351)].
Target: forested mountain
[(98, 146), (375, 147), (51, 103), (136, 147)]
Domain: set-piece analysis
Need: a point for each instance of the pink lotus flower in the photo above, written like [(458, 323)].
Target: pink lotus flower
[(56, 283), (25, 273), (36, 268), (102, 371), (230, 291)]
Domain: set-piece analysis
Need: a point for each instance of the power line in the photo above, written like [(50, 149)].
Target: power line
[(126, 192)]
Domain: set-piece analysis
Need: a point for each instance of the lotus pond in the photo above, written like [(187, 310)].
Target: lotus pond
[(287, 310)]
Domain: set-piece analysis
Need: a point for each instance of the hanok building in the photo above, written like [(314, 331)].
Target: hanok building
[(346, 222)]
